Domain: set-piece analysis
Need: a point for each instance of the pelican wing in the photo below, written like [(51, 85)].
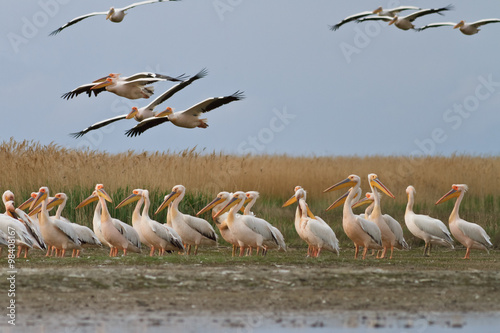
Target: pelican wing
[(75, 20), (85, 234), (213, 103), (175, 238), (349, 19), (433, 227), (144, 125), (143, 3), (323, 231), (436, 25), (475, 232), (67, 229), (401, 8), (484, 21), (32, 228), (97, 125), (129, 233), (260, 226), (169, 93), (371, 229), (83, 89), (375, 18), (396, 230), (157, 77), (3, 238), (423, 12), (201, 226)]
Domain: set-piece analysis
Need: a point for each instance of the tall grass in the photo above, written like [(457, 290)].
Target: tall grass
[(28, 165)]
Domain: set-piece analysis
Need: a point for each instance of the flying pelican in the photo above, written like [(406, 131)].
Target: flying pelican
[(131, 87), (115, 239), (465, 28), (379, 11), (115, 15), (362, 232), (139, 114), (188, 118), (217, 204), (86, 236), (55, 233), (430, 230), (312, 229), (192, 230), (248, 230), (405, 22), (470, 235), (155, 234), (123, 228)]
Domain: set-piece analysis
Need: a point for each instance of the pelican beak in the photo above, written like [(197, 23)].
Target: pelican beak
[(378, 184), (339, 202), (230, 204), (342, 184), (54, 202), (102, 79), (110, 13), (247, 200), (103, 84), (38, 199), (35, 211), (451, 194), (26, 204), (168, 111), (103, 194), (393, 20), (211, 205), (290, 201), (128, 200), (309, 213), (364, 201), (167, 201), (378, 10), (85, 202), (132, 113), (458, 25)]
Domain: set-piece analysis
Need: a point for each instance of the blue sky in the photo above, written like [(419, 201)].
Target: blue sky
[(365, 89)]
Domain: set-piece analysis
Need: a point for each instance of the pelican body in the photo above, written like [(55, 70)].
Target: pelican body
[(465, 28)]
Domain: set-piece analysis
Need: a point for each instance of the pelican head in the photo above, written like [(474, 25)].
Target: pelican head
[(459, 24), (393, 20), (368, 199), (136, 195), (105, 83), (58, 199), (110, 13), (299, 193), (132, 113), (350, 181), (221, 197), (42, 194), (375, 182), (28, 202), (11, 209), (378, 10), (456, 190), (168, 111), (93, 197), (177, 190), (8, 196), (340, 201), (236, 199), (99, 188)]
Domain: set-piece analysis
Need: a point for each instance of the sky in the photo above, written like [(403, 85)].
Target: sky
[(366, 89)]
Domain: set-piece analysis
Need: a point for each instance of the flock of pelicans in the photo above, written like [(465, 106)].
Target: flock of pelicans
[(406, 22), (231, 213)]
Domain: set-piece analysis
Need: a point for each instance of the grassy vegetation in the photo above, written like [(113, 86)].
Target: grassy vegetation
[(29, 165)]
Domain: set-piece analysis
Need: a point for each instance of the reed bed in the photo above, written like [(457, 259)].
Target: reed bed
[(28, 165)]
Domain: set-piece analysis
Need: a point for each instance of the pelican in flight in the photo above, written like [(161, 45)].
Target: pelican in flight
[(188, 118), (362, 232), (465, 28), (312, 229), (152, 233), (406, 22), (470, 235), (131, 87), (115, 15), (139, 114), (192, 230), (379, 11), (430, 230)]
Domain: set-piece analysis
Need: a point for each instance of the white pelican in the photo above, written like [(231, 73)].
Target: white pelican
[(86, 236), (379, 11), (128, 231), (312, 229), (430, 230), (362, 232), (405, 22), (131, 87), (470, 235), (193, 230), (217, 204), (248, 230), (55, 233), (465, 28), (10, 223), (188, 118), (154, 234), (139, 114), (115, 15), (115, 239)]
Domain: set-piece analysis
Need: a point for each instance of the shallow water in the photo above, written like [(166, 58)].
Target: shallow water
[(349, 322)]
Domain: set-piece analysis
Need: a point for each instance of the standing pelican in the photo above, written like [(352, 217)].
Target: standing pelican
[(115, 15), (406, 22), (379, 11), (139, 114), (465, 28), (11, 226), (362, 232), (430, 230), (314, 230), (470, 235), (188, 118), (192, 230)]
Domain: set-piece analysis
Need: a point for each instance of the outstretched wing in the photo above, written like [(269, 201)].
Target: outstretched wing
[(83, 89), (436, 25), (143, 3), (98, 125), (483, 22), (423, 12), (145, 125), (349, 19), (75, 20), (158, 77), (213, 103)]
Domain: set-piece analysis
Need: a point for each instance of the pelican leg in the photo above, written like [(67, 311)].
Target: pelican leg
[(189, 249), (19, 249), (392, 250), (110, 251), (383, 253), (195, 249), (364, 252), (242, 249), (152, 252), (78, 253), (467, 254), (63, 253), (317, 253), (233, 253), (26, 253), (356, 251), (124, 252)]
